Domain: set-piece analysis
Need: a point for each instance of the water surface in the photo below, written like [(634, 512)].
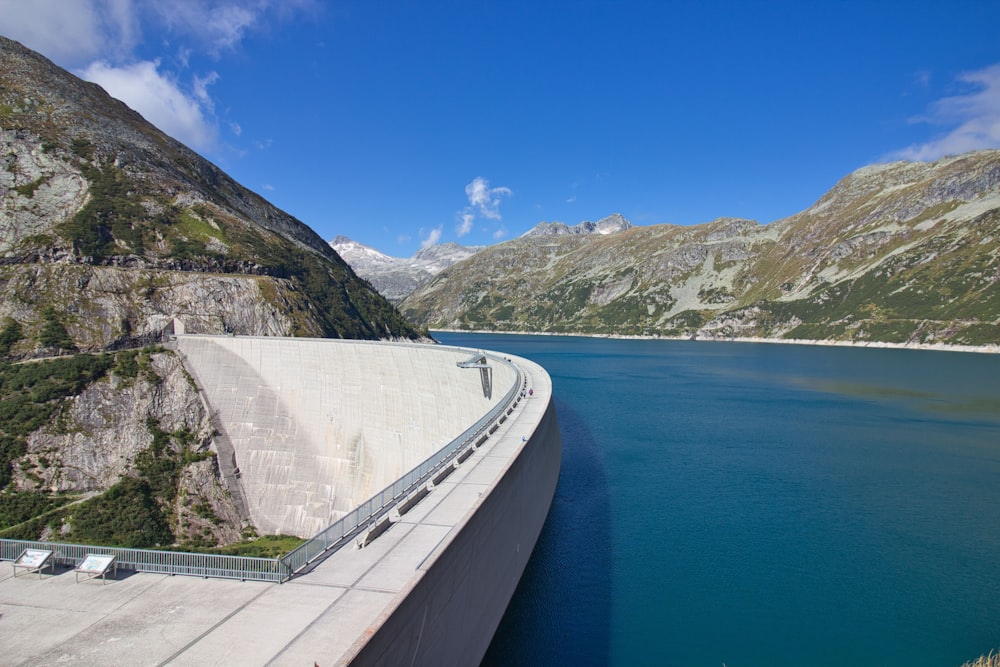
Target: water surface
[(762, 505)]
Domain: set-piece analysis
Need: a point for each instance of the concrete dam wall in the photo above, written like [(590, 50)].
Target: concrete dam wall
[(319, 426)]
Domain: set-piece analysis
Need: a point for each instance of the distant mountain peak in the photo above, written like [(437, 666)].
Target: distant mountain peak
[(612, 224), (396, 277)]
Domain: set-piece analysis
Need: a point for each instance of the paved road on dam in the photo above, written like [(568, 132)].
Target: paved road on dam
[(329, 615)]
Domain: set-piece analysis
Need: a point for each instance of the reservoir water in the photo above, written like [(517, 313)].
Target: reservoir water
[(762, 505)]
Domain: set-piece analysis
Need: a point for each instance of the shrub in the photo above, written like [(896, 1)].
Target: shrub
[(10, 335)]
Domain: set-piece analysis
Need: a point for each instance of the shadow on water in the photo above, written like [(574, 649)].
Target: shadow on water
[(561, 610)]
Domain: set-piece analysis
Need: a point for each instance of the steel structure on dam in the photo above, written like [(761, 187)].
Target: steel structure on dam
[(309, 428)]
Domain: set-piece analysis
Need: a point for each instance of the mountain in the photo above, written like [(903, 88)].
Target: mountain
[(396, 277), (112, 229), (904, 252), (612, 224), (110, 232)]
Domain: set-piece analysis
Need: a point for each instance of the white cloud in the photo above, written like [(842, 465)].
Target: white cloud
[(974, 118), (98, 39), (465, 224), (433, 237), (484, 202), (200, 89), (500, 233), (219, 26), (72, 33), (484, 199), (159, 98)]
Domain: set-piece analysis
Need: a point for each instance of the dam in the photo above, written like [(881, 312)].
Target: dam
[(308, 431)]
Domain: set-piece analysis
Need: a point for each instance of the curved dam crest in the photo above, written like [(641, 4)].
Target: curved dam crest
[(319, 426)]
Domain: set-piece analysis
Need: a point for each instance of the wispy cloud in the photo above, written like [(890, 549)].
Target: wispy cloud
[(484, 202), (974, 119), (98, 39), (433, 236), (73, 33), (217, 26)]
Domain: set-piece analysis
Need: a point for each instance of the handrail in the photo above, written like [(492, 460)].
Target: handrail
[(367, 513), (217, 566), (278, 570)]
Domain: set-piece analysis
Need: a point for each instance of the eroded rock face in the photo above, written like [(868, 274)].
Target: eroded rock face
[(38, 189), (97, 435), (95, 439), (108, 306)]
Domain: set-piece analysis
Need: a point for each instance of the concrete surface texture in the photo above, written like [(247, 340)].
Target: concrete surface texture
[(319, 426), (430, 590)]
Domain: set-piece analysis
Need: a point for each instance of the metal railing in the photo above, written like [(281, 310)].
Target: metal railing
[(247, 568), (370, 511)]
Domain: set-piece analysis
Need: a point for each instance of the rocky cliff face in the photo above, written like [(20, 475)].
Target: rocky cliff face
[(102, 436), (903, 252)]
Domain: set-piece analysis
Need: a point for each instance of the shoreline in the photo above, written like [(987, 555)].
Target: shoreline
[(929, 347)]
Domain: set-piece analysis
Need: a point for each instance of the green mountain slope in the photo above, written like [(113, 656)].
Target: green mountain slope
[(903, 252)]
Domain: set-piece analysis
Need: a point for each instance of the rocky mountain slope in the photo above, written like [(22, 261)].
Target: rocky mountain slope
[(396, 277), (118, 229), (110, 231), (902, 252)]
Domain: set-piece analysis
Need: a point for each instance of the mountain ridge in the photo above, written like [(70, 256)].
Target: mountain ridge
[(897, 253)]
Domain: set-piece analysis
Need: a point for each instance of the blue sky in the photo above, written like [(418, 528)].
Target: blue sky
[(401, 123)]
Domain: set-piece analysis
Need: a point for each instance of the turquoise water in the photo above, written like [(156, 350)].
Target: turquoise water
[(762, 505)]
